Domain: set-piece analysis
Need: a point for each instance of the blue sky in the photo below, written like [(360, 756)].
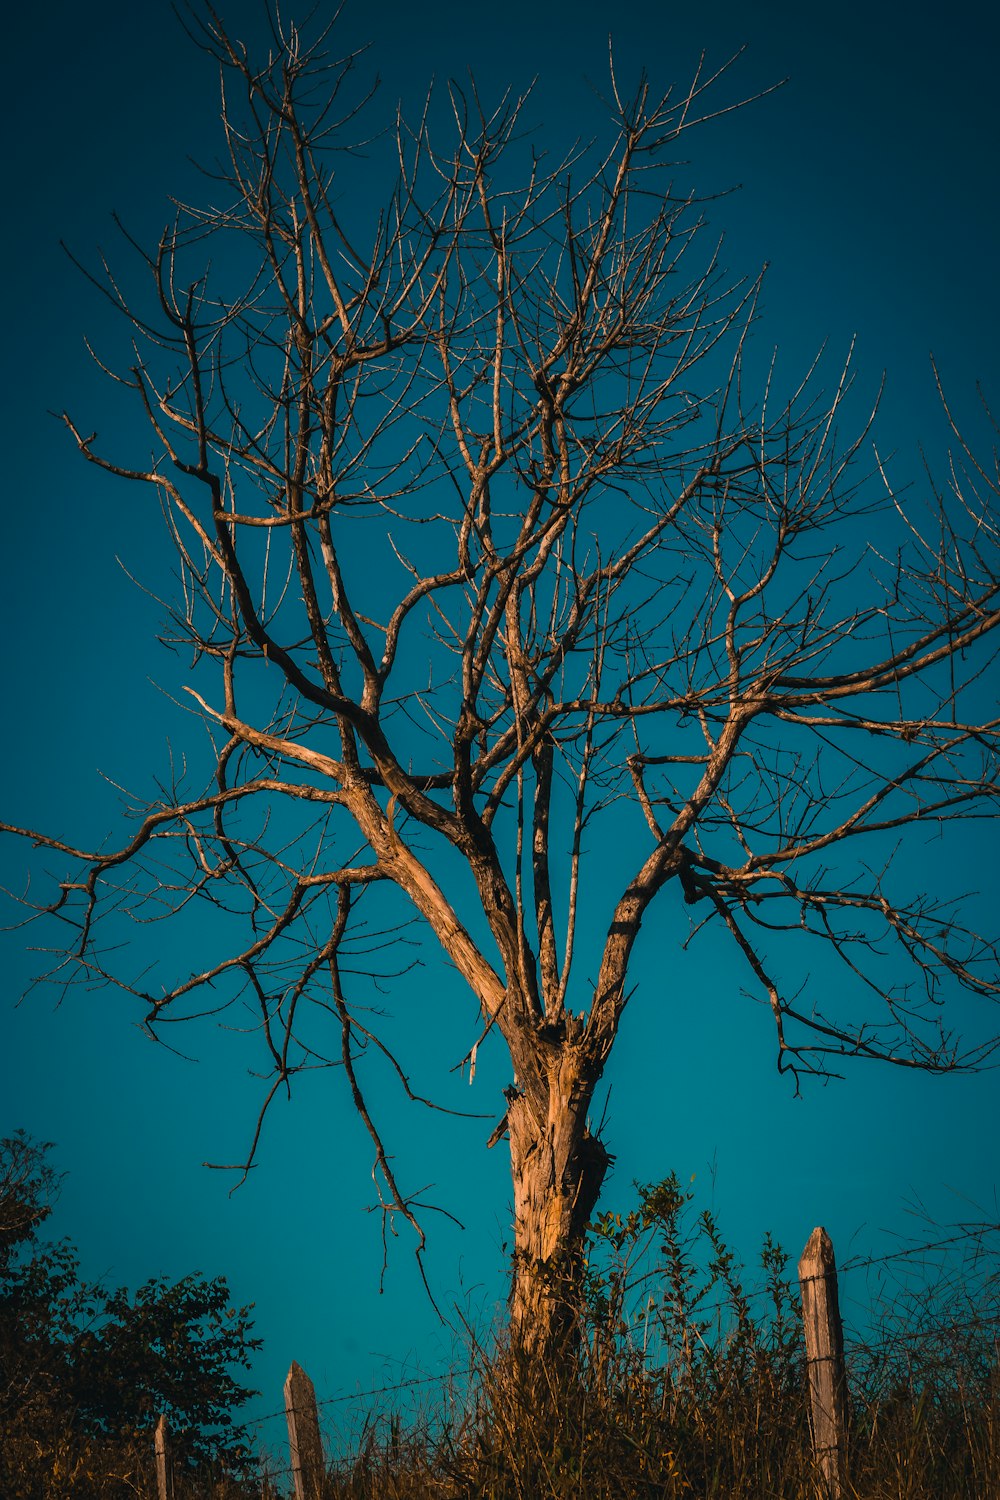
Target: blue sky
[(869, 185)]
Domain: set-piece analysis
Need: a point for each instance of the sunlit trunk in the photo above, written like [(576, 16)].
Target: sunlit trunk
[(557, 1168)]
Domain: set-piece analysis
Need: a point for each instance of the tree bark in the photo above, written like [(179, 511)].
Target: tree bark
[(558, 1167)]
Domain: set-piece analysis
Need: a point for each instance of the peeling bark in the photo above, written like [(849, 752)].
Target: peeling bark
[(557, 1167)]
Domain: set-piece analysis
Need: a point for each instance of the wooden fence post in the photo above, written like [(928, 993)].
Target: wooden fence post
[(825, 1360), (164, 1487), (304, 1442)]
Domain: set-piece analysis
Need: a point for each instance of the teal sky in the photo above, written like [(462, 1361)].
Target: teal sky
[(869, 185)]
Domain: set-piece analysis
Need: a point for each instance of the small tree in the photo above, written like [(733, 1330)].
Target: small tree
[(83, 1363), (483, 540)]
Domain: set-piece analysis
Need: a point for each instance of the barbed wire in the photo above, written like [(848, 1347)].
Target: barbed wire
[(933, 1330), (973, 1231), (343, 1399)]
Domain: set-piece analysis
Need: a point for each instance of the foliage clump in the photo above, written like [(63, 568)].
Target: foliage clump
[(87, 1370)]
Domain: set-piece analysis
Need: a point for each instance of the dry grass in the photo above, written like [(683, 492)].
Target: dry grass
[(689, 1383)]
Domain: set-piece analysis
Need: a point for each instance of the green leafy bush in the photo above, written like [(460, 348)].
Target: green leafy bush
[(86, 1370)]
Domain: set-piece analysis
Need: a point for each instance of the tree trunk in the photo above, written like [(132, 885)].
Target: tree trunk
[(557, 1168)]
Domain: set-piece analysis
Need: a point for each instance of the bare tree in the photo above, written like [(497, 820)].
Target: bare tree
[(481, 540)]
